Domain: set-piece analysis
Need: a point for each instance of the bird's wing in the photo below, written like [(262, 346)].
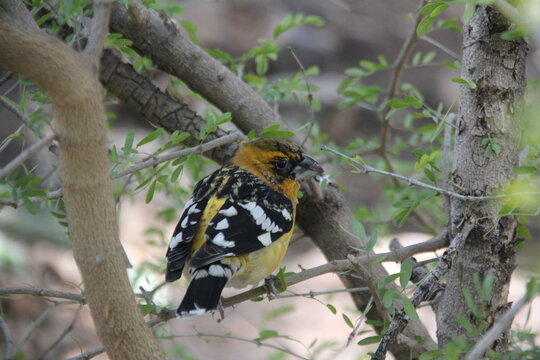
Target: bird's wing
[(187, 227), (252, 217)]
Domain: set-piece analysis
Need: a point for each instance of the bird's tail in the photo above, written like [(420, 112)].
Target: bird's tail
[(204, 291)]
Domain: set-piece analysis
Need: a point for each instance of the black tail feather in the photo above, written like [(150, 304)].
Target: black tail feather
[(203, 294)]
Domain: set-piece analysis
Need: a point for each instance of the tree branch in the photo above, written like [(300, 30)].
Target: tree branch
[(8, 340), (425, 291), (98, 31), (224, 140), (27, 153), (77, 99), (44, 293), (411, 181)]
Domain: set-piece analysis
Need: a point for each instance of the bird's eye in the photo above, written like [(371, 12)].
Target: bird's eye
[(281, 163)]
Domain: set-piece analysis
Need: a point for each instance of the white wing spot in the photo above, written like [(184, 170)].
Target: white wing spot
[(286, 214), (193, 210), (267, 224), (219, 240), (275, 228), (229, 212), (265, 239), (223, 224), (184, 223), (188, 204), (257, 212), (249, 206), (177, 239), (216, 270)]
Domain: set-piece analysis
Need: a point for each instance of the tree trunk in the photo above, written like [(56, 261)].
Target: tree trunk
[(490, 111), (84, 171)]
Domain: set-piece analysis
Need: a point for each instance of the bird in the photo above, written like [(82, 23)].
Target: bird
[(235, 228)]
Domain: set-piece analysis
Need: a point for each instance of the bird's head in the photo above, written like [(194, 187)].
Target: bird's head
[(277, 161)]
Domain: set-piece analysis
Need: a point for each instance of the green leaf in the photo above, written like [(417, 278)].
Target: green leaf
[(429, 57), (151, 137), (438, 10), (406, 272), (372, 241), (370, 340), (515, 33), (524, 170), (257, 299), (347, 320), (487, 287), (358, 228), (532, 288), (430, 355), (423, 161), (146, 308), (425, 25), (150, 193), (30, 206), (409, 309), (469, 83), (332, 308), (191, 29), (220, 55), (267, 334), (128, 143), (523, 232), (427, 9)]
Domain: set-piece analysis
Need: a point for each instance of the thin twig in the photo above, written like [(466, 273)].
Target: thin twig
[(232, 337), (397, 69), (411, 181), (310, 95), (28, 152), (89, 354), (6, 76), (43, 293), (64, 333), (8, 340), (441, 47), (8, 141), (98, 31), (18, 114), (28, 333), (501, 325), (227, 139), (317, 293)]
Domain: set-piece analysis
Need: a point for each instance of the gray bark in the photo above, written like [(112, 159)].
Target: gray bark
[(491, 110)]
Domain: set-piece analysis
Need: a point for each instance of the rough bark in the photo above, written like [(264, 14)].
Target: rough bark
[(325, 221), (491, 110), (84, 170), (157, 107)]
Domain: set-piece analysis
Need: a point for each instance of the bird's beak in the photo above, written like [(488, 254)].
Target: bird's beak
[(307, 168)]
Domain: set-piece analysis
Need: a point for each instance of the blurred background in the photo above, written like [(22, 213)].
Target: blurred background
[(35, 251)]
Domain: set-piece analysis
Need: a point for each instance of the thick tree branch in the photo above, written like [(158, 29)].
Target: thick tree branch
[(159, 108), (76, 95), (98, 31), (159, 38)]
